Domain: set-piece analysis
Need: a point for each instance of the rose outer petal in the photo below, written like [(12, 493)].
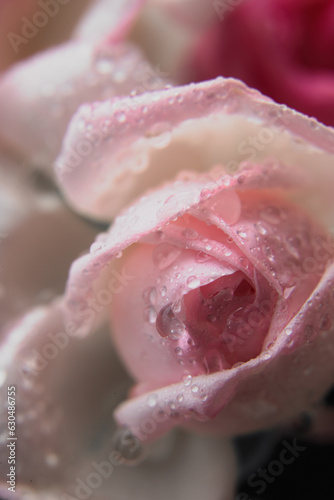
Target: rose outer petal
[(65, 391), (32, 223), (39, 96), (151, 138)]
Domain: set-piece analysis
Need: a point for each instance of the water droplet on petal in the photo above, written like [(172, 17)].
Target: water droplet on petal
[(187, 380), (152, 400), (193, 282), (260, 228), (168, 325), (242, 234), (120, 116), (150, 314), (95, 247), (202, 257), (194, 388)]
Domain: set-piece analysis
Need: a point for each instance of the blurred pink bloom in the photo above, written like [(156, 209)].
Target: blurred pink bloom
[(284, 48)]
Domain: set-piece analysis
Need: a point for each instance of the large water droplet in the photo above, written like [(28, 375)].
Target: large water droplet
[(202, 257), (168, 325)]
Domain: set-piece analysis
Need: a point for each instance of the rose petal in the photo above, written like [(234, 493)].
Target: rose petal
[(108, 18), (65, 391), (33, 223), (298, 35), (56, 82), (152, 137)]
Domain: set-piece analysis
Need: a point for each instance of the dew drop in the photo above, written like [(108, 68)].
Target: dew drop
[(120, 116), (202, 257), (95, 247), (178, 351), (242, 234), (260, 228), (193, 282), (150, 314), (194, 389), (205, 193), (168, 325), (179, 398), (152, 400), (187, 380)]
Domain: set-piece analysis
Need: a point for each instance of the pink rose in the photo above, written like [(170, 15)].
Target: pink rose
[(227, 273), (198, 168), (284, 48)]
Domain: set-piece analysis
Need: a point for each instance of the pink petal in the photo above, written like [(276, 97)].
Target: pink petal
[(55, 83), (33, 223), (65, 391), (298, 35), (143, 141), (109, 18)]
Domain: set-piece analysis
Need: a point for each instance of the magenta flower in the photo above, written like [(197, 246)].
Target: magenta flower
[(284, 48)]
